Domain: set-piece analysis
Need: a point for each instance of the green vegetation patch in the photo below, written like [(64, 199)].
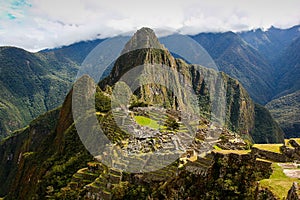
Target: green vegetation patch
[(146, 121), (278, 182), (217, 148)]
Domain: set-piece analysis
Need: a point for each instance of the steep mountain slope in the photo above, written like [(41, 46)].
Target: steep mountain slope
[(271, 43), (31, 84), (285, 107), (238, 59), (288, 70), (282, 49), (286, 111), (48, 147)]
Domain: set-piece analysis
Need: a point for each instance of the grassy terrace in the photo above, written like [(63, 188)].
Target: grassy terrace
[(232, 151), (278, 182), (269, 147)]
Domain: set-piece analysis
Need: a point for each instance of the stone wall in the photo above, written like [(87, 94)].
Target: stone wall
[(268, 155), (264, 194), (293, 193), (292, 152)]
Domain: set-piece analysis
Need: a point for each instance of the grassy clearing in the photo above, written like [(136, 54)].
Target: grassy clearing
[(269, 147), (145, 121), (278, 182), (217, 148)]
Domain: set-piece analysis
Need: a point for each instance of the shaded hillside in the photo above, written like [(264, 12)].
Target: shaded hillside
[(288, 70), (266, 129), (30, 84), (285, 107), (241, 61), (282, 48), (43, 154), (286, 111)]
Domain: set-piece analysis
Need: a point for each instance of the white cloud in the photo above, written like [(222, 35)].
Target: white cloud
[(39, 24)]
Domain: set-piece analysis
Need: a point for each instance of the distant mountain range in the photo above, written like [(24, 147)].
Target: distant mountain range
[(271, 43)]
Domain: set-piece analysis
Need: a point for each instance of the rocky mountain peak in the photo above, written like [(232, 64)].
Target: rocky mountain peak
[(143, 38), (143, 48)]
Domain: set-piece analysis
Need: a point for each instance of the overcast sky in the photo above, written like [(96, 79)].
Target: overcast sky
[(39, 24)]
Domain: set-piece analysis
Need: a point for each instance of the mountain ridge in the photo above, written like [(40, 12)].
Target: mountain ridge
[(271, 42)]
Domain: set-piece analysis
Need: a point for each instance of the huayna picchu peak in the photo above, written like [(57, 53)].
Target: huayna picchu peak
[(143, 48), (143, 38), (49, 160)]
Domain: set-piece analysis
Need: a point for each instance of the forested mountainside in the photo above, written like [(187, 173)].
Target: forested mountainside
[(286, 110), (31, 84)]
